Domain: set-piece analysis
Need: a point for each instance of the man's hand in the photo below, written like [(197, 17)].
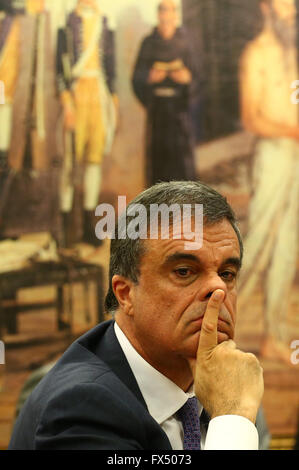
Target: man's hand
[(69, 117), (69, 111), (156, 75), (182, 76), (226, 380)]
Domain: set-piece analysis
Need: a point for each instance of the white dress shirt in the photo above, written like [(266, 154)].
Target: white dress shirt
[(164, 398)]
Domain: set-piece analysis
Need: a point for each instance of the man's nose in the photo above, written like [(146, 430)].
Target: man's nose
[(209, 286)]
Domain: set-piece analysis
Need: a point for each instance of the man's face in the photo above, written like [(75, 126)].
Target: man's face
[(174, 287), (285, 10), (167, 17)]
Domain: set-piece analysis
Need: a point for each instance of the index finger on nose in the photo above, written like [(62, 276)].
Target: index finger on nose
[(208, 334)]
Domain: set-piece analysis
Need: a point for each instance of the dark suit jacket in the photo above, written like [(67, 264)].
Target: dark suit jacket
[(89, 400)]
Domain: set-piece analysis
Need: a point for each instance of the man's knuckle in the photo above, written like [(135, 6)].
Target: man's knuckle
[(208, 327), (252, 360), (230, 344), (251, 357)]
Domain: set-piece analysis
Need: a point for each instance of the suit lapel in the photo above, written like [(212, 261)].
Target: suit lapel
[(109, 351)]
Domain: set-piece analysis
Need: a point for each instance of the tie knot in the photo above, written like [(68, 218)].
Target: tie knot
[(190, 407), (189, 416)]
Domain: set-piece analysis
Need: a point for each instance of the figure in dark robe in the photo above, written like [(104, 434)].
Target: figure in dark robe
[(164, 81)]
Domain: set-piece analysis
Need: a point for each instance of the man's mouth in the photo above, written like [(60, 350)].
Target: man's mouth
[(225, 328)]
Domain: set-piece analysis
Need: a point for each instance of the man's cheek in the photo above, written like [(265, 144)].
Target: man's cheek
[(231, 305)]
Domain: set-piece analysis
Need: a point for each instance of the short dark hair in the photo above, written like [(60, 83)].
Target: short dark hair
[(125, 254)]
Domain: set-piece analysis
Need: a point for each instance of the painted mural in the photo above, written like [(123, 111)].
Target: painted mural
[(100, 99)]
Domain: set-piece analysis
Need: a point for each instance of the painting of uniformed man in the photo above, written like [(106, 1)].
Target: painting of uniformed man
[(86, 83)]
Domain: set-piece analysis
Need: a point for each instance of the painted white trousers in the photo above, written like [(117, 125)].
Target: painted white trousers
[(271, 244)]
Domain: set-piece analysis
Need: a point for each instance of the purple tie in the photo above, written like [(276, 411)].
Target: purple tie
[(189, 416)]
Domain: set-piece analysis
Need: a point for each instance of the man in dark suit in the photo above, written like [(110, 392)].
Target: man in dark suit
[(130, 383)]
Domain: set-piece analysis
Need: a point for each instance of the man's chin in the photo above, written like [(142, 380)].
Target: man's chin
[(221, 337)]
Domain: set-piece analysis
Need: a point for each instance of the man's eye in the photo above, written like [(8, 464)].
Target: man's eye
[(183, 272), (228, 275)]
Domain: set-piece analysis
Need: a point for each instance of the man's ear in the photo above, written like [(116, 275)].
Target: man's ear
[(123, 291)]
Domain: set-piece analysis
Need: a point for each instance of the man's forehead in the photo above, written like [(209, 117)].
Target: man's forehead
[(167, 5), (219, 235)]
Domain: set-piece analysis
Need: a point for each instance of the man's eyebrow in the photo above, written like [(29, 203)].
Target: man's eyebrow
[(235, 261), (180, 256)]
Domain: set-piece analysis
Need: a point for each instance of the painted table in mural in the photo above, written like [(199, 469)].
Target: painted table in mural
[(58, 274)]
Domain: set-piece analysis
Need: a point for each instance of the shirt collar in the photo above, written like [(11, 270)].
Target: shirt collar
[(162, 396)]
